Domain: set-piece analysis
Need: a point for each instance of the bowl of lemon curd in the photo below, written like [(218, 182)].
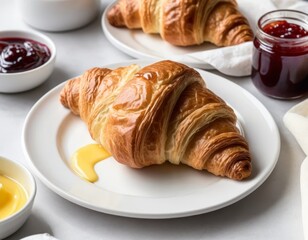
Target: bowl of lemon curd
[(17, 192)]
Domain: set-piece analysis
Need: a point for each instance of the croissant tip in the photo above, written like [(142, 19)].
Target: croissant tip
[(115, 17), (241, 170), (63, 99)]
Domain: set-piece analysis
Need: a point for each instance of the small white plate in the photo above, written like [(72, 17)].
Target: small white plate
[(151, 46), (52, 133)]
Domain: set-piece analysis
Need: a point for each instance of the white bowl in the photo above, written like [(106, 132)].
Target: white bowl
[(58, 15), (19, 173), (23, 81)]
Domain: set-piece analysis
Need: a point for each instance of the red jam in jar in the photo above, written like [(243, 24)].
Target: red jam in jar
[(19, 54), (284, 29), (280, 54)]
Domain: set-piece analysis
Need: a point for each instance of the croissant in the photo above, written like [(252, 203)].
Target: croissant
[(162, 112), (184, 22)]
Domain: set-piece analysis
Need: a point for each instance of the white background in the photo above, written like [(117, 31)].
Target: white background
[(273, 211)]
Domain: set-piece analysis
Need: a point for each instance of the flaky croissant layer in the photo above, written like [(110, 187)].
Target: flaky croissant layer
[(184, 22), (162, 112)]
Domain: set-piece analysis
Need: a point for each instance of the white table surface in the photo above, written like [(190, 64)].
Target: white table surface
[(273, 211)]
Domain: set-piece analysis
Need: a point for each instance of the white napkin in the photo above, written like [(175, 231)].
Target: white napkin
[(236, 60), (44, 236), (296, 120)]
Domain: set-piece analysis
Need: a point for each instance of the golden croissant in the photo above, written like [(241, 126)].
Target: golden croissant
[(162, 112), (184, 22)]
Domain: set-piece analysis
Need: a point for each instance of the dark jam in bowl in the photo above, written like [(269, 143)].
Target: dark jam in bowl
[(19, 54), (280, 57)]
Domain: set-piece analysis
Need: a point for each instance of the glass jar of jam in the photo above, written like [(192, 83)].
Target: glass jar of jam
[(280, 54)]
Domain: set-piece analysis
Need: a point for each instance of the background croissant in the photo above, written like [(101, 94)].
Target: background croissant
[(162, 112), (184, 22)]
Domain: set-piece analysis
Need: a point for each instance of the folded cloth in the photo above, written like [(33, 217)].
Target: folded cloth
[(43, 236), (296, 120), (236, 60), (233, 61)]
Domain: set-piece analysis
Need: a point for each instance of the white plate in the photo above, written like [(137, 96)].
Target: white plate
[(52, 133), (140, 45)]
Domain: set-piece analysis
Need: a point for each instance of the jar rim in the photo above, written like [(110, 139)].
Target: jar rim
[(259, 24)]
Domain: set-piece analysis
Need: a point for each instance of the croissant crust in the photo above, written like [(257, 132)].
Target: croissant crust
[(184, 22), (162, 112)]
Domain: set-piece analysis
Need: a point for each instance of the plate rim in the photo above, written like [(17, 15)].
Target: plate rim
[(82, 203)]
